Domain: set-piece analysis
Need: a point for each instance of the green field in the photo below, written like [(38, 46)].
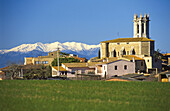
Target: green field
[(38, 95)]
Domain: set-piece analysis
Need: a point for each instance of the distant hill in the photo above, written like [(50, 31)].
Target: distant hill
[(17, 54)]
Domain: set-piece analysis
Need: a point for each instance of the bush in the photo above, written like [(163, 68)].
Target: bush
[(64, 60)]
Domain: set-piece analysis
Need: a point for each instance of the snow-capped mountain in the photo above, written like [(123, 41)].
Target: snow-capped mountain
[(17, 54), (74, 46)]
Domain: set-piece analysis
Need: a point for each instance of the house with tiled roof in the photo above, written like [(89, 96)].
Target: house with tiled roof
[(119, 67), (140, 45), (78, 68), (2, 75)]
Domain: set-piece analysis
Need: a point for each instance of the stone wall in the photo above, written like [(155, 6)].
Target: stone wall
[(145, 48), (103, 50), (128, 46)]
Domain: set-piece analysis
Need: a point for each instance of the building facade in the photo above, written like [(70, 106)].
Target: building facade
[(140, 45), (47, 60), (115, 68)]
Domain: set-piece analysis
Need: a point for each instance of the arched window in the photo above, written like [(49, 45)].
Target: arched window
[(123, 52), (114, 53), (133, 52)]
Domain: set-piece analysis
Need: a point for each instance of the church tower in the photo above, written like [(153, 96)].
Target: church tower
[(141, 26)]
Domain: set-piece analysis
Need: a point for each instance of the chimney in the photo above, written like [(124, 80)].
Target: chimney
[(107, 59), (133, 59)]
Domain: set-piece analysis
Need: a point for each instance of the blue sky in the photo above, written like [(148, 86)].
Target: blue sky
[(86, 21)]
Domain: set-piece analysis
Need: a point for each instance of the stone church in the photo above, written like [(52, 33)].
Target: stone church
[(140, 45)]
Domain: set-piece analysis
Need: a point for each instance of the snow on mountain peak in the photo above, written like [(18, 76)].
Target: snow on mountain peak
[(49, 47)]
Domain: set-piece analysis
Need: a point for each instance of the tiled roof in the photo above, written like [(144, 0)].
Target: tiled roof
[(164, 60), (4, 68), (130, 57), (2, 72), (109, 60), (75, 64), (167, 54), (60, 68), (127, 40)]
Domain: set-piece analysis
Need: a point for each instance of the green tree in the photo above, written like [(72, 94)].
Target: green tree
[(64, 60), (157, 54), (37, 72)]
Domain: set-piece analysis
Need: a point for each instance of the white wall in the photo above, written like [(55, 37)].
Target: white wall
[(120, 68)]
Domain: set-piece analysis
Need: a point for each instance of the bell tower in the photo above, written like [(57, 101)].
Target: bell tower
[(141, 26)]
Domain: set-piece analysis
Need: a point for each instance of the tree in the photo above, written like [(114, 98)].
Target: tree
[(64, 60), (37, 72), (14, 69), (157, 54)]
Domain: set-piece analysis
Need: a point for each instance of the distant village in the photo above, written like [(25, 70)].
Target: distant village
[(121, 59)]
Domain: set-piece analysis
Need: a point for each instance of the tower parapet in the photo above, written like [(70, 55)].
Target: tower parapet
[(141, 26)]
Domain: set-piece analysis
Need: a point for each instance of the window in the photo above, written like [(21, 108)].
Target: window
[(125, 67), (37, 62), (72, 72), (51, 54), (142, 63), (137, 28), (148, 60), (118, 43), (115, 67), (143, 28), (127, 43), (45, 62)]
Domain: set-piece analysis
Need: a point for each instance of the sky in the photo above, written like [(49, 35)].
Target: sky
[(85, 21)]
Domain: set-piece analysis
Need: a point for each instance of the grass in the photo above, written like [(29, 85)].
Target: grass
[(38, 95)]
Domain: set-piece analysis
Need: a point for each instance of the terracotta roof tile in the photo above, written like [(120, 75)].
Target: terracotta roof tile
[(75, 64), (60, 68), (130, 57), (127, 40)]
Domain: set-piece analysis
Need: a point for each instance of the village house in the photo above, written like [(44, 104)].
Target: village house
[(165, 61), (47, 60), (62, 71), (106, 68), (115, 68), (2, 75), (70, 69)]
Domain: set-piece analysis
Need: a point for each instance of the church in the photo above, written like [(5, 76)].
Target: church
[(139, 46)]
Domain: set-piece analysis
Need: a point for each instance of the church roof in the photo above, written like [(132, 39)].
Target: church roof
[(130, 57), (127, 40)]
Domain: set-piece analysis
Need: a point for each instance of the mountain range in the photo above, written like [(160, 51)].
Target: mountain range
[(17, 54)]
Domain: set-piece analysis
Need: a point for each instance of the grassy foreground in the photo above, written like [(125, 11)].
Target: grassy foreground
[(17, 95)]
